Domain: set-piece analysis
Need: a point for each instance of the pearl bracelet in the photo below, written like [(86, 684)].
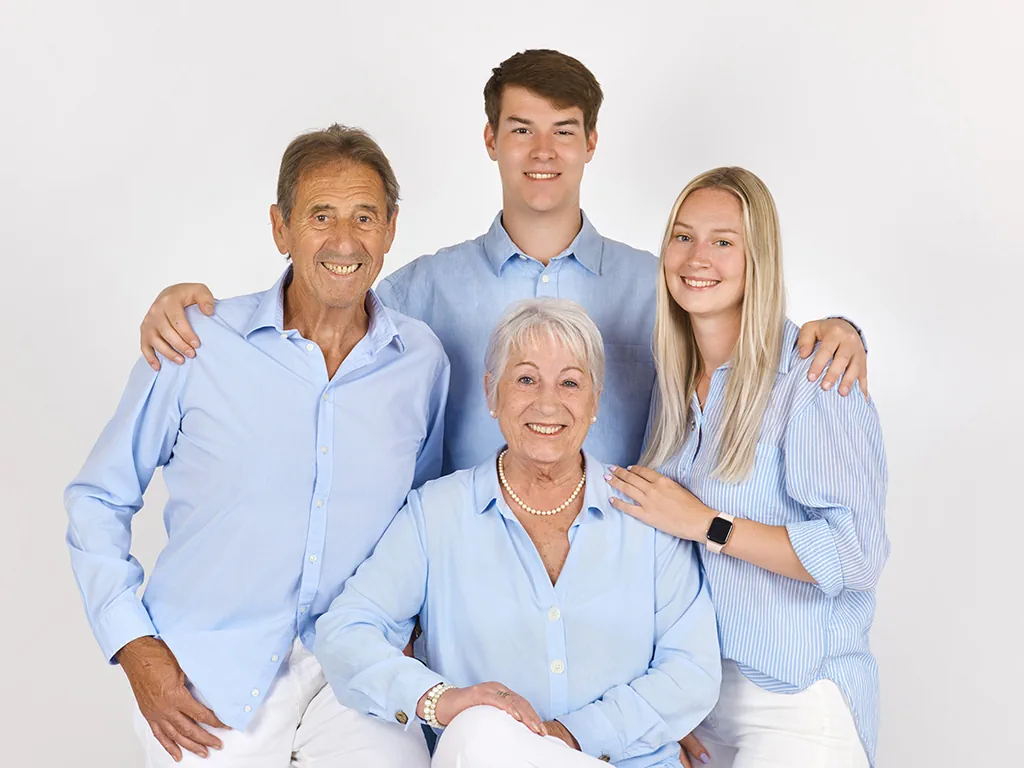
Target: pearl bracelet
[(430, 704)]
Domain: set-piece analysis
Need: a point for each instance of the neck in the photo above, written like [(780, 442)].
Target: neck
[(527, 476), (542, 235), (716, 337), (336, 330)]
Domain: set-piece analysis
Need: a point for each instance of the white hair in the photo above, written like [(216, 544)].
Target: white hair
[(564, 322)]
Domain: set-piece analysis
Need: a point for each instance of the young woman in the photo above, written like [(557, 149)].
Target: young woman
[(780, 482)]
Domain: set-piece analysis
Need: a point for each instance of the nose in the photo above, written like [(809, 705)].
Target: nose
[(543, 148), (699, 256), (547, 401), (342, 239)]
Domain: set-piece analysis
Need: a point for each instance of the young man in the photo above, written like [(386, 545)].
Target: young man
[(541, 130)]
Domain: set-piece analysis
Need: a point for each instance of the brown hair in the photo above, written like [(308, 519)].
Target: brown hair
[(338, 143), (560, 79)]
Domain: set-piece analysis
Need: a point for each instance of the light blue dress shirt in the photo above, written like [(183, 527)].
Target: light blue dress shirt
[(622, 649), (820, 471), (462, 291), (280, 483)]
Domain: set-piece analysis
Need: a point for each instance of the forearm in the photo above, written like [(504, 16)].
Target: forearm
[(766, 546)]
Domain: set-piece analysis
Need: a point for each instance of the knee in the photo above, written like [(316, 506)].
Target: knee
[(473, 735)]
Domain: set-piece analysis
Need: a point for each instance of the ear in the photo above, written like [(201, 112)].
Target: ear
[(591, 144), (491, 402), (280, 229), (389, 236), (490, 141)]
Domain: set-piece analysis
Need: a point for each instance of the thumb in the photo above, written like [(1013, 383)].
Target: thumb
[(204, 298)]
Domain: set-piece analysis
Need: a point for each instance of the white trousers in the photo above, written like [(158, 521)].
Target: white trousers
[(487, 737), (301, 725), (754, 728)]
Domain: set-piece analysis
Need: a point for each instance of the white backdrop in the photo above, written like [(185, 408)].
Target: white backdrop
[(139, 147)]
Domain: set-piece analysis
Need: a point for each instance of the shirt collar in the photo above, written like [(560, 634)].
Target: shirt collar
[(487, 490), (587, 247), (269, 313)]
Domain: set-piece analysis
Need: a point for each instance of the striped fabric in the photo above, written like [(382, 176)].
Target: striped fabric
[(820, 471)]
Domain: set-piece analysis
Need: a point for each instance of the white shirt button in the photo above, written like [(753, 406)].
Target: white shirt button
[(319, 502), (557, 667), (325, 397), (312, 558), (255, 692), (323, 449), (309, 347), (545, 278), (284, 335), (247, 708), (554, 614), (275, 657), (521, 256), (302, 609)]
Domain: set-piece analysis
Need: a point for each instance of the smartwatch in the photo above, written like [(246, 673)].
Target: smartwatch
[(719, 532)]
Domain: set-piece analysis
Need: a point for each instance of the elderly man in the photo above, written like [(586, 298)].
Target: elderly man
[(541, 131), (287, 449)]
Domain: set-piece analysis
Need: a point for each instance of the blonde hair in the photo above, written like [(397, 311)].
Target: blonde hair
[(755, 358)]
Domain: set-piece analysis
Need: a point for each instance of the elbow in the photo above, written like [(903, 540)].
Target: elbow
[(863, 575)]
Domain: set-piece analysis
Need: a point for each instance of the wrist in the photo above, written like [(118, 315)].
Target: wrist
[(567, 736), (701, 522)]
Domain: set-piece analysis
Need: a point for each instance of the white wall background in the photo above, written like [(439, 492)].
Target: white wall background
[(139, 146)]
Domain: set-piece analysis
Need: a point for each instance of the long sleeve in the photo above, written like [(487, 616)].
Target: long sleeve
[(428, 462), (105, 495), (835, 467), (359, 641), (681, 685)]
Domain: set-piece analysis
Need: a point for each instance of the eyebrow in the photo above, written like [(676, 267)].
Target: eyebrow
[(684, 225), (558, 124), (321, 207), (534, 365)]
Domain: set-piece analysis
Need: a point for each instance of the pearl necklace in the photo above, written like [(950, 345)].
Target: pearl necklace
[(523, 504)]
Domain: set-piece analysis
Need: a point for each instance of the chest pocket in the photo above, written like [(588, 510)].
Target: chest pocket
[(761, 496)]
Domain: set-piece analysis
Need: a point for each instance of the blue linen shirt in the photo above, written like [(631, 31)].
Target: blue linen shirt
[(820, 471), (462, 291), (622, 649), (280, 483)]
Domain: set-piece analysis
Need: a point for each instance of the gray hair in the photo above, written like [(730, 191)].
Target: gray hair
[(561, 320)]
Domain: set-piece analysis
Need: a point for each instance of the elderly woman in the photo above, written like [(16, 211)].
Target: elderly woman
[(558, 630)]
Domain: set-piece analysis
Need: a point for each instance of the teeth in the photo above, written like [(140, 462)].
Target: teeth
[(339, 270), (542, 175), (700, 283), (544, 430)]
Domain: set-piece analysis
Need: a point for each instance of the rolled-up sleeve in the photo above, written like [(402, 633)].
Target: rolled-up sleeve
[(107, 493), (681, 685), (836, 470), (359, 640)]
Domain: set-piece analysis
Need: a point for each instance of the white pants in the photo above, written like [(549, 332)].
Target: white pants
[(754, 728), (487, 737), (301, 725)]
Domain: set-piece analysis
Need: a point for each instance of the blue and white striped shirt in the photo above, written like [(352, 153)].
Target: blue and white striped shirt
[(820, 471)]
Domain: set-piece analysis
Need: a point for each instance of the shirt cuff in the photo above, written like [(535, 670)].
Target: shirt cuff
[(122, 621), (857, 328), (816, 549), (596, 734), (407, 690)]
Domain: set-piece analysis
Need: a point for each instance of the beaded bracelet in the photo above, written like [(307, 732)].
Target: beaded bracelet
[(430, 704)]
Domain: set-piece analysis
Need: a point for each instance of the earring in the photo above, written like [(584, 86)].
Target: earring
[(493, 415), (593, 419)]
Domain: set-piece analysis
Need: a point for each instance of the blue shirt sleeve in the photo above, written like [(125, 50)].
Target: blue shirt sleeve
[(389, 295), (105, 495), (835, 468), (359, 640), (429, 460), (681, 685)]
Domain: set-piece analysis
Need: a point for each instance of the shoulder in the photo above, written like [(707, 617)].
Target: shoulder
[(417, 336), (433, 265), (444, 498), (232, 314), (625, 256)]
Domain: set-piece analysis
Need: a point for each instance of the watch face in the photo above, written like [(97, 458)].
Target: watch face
[(719, 530)]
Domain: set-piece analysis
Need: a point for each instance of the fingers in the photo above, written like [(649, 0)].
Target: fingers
[(650, 475), (684, 758), (519, 708), (191, 730), (855, 371), (825, 352), (150, 354), (166, 350), (206, 715), (628, 482), (204, 298), (170, 747), (806, 340), (172, 730), (176, 317), (697, 750), (634, 510), (838, 367)]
